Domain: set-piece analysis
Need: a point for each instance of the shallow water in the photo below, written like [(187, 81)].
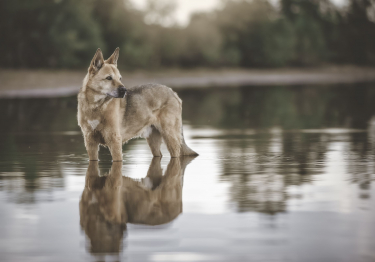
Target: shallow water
[(284, 174)]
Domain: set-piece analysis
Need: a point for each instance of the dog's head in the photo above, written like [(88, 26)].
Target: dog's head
[(104, 77)]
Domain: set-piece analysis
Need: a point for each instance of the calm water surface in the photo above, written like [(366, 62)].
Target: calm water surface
[(284, 174)]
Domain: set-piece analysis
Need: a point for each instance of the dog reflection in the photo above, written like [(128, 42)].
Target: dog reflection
[(109, 202)]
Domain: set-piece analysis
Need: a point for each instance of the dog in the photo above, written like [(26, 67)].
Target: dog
[(110, 114)]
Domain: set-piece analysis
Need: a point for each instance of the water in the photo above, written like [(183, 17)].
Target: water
[(284, 174)]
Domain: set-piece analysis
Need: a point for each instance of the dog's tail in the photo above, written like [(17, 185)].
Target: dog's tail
[(185, 150)]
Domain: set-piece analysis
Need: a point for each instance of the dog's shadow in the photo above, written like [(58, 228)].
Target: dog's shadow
[(111, 201)]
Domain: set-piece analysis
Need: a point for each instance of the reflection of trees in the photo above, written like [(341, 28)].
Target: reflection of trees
[(287, 107), (360, 160), (34, 162), (304, 154), (268, 164), (31, 163), (30, 151), (44, 114)]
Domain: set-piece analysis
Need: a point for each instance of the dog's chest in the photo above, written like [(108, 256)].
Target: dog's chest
[(93, 123), (94, 127), (91, 120)]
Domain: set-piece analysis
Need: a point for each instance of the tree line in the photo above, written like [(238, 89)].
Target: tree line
[(242, 33)]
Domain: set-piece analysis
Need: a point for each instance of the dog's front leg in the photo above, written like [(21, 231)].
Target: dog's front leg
[(115, 146), (92, 147)]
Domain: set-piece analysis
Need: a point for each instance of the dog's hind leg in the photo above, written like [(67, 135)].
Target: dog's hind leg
[(185, 150), (170, 131), (173, 142), (154, 141)]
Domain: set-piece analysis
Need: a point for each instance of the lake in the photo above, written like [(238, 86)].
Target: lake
[(284, 174)]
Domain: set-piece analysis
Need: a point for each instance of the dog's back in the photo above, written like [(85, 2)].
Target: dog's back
[(151, 95)]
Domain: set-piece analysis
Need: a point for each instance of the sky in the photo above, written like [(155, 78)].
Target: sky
[(186, 7)]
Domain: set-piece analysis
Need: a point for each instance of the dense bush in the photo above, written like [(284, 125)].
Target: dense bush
[(245, 33), (42, 33)]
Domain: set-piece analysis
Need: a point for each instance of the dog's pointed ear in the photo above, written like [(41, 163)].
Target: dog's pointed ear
[(97, 62), (114, 57)]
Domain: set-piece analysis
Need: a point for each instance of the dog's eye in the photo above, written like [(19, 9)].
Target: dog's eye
[(109, 78)]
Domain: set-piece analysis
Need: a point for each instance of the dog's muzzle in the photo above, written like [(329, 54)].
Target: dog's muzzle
[(118, 93), (121, 91)]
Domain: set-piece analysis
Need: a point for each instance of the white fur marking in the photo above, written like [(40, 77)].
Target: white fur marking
[(93, 200), (147, 183), (93, 123), (147, 132)]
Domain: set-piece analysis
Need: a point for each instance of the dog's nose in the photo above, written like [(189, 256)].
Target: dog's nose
[(121, 90)]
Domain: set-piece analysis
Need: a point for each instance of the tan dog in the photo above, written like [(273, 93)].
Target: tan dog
[(111, 115)]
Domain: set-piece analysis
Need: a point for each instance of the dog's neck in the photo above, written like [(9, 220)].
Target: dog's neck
[(96, 99), (92, 96)]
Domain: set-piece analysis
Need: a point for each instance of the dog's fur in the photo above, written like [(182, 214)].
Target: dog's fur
[(111, 115)]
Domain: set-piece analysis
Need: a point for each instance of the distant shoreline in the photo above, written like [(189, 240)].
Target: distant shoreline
[(60, 83)]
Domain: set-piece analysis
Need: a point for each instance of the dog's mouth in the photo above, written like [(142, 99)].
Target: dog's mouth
[(118, 93)]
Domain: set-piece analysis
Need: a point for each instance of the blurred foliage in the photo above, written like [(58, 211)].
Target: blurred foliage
[(42, 33), (245, 33)]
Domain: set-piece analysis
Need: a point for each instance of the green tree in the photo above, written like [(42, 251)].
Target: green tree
[(315, 24), (358, 33), (47, 33), (255, 33)]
